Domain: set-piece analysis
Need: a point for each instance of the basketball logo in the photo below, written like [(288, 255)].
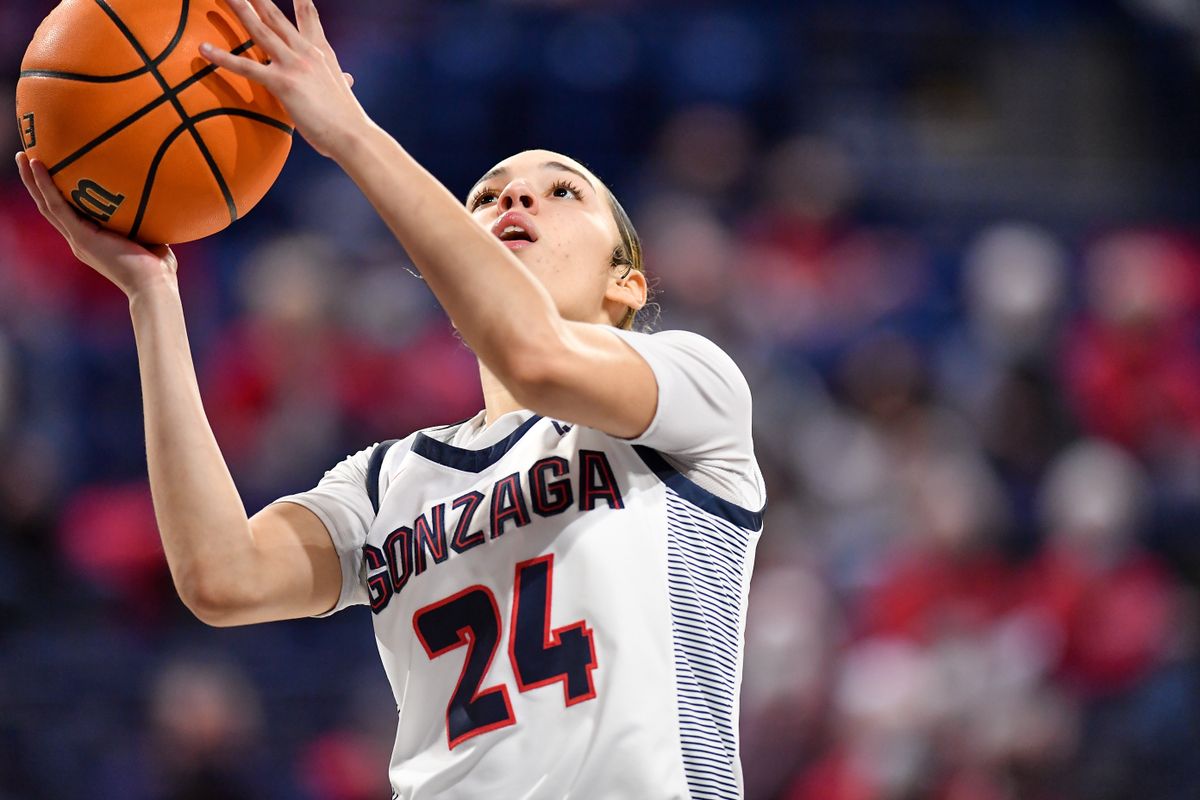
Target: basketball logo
[(94, 200)]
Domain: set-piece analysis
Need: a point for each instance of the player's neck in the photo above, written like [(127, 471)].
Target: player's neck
[(497, 400)]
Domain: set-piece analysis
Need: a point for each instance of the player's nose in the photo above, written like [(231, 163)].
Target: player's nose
[(518, 194)]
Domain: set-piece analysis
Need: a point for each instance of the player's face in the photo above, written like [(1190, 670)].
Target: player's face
[(554, 215)]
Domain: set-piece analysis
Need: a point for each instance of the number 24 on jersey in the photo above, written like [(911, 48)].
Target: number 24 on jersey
[(539, 656)]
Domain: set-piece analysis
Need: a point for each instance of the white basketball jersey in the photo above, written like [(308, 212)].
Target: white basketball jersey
[(560, 611)]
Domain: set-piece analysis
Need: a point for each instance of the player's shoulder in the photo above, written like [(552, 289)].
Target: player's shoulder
[(691, 353), (358, 463), (685, 342), (669, 336)]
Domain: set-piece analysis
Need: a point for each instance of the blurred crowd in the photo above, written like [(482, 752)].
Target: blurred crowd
[(954, 246)]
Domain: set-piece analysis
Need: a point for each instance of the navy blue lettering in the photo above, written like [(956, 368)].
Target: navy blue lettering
[(430, 538), (541, 656), (409, 551), (397, 549), (379, 586), (597, 481), (463, 541), (550, 497), (468, 619), (508, 503)]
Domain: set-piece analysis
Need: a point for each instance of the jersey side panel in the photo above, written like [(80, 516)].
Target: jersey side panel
[(709, 563)]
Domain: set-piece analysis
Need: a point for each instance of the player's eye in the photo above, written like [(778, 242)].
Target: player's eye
[(482, 196), (562, 187)]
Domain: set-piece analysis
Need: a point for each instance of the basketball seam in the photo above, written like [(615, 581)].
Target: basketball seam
[(144, 200), (144, 110), (234, 111), (76, 76), (79, 77), (148, 186), (174, 100)]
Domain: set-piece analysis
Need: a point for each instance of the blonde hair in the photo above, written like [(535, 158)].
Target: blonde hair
[(628, 253)]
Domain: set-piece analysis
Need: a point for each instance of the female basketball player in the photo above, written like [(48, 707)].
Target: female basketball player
[(558, 584)]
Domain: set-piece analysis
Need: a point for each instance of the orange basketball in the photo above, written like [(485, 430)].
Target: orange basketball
[(139, 131)]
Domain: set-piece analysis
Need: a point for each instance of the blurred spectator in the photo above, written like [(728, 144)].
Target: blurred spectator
[(684, 165), (1016, 278), (1132, 364), (273, 377), (202, 740), (1111, 601), (109, 537), (807, 275), (340, 766)]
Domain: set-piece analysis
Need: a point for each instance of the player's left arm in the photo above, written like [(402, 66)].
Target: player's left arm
[(576, 372)]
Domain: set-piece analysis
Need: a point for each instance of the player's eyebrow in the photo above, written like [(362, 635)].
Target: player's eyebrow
[(498, 171)]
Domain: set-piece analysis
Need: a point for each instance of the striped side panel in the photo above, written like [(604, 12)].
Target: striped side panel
[(706, 559)]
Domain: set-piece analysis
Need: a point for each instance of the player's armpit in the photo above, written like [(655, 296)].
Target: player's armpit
[(296, 574)]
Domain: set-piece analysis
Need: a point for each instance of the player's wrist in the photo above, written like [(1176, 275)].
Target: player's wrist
[(150, 290), (355, 141)]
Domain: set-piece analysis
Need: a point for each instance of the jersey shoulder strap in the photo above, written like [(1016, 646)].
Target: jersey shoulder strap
[(374, 465)]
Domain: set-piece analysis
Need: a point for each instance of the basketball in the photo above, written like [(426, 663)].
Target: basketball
[(141, 133)]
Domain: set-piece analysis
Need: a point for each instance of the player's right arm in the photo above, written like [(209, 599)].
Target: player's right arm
[(228, 569)]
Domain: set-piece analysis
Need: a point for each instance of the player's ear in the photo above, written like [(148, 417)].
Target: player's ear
[(626, 292)]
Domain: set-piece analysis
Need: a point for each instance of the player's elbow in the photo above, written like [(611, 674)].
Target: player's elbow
[(213, 599), (532, 373)]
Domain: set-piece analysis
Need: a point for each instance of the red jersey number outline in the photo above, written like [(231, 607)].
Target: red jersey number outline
[(456, 621)]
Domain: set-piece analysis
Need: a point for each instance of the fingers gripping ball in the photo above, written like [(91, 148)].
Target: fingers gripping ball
[(141, 133)]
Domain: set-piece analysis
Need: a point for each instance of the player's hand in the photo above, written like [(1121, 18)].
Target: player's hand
[(303, 72), (124, 262)]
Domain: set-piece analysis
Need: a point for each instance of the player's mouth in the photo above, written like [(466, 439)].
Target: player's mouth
[(516, 230)]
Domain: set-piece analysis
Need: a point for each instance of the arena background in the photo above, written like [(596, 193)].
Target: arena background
[(953, 245)]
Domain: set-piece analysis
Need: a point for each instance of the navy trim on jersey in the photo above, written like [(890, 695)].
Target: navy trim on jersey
[(453, 424), (698, 495), (374, 465), (706, 578), (469, 460)]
